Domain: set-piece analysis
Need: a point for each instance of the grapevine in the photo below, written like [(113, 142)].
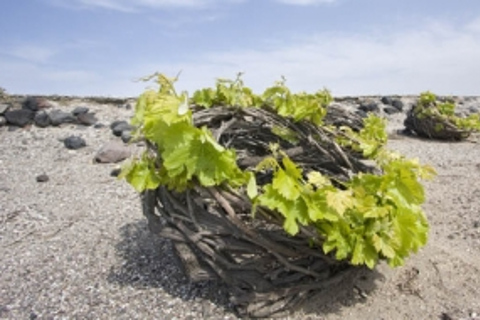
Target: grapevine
[(437, 119), (369, 217)]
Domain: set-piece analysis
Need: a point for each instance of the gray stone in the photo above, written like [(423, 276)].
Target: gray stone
[(387, 100), (87, 119), (36, 103), (115, 123), (74, 142), (4, 107), (126, 136), (115, 172), (112, 152), (3, 121), (58, 117), (42, 119), (20, 117), (390, 110), (80, 110), (127, 106), (473, 110), (398, 104), (361, 113), (99, 125), (120, 127), (369, 107), (42, 178)]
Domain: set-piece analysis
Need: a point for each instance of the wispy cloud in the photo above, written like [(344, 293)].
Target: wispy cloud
[(138, 5), (305, 2), (438, 57), (30, 52), (180, 21)]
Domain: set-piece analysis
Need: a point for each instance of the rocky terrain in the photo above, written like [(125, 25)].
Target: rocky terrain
[(74, 243)]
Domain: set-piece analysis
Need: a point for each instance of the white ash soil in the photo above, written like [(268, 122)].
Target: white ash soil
[(78, 246)]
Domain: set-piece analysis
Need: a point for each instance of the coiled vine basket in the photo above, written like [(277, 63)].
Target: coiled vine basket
[(434, 119), (214, 233), (434, 126)]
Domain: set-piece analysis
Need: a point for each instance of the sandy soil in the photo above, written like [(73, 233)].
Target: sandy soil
[(77, 246)]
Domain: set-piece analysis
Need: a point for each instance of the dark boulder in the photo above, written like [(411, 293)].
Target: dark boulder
[(387, 100), (115, 123), (19, 117), (58, 117), (121, 127), (361, 113), (473, 110), (126, 136), (369, 107), (80, 110), (74, 142), (41, 119), (99, 125), (398, 104), (36, 103), (390, 110)]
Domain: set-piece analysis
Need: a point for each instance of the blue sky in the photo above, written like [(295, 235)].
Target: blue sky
[(351, 47)]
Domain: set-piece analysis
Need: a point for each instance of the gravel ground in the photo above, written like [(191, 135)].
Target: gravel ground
[(77, 246)]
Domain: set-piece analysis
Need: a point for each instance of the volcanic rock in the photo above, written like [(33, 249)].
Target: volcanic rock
[(74, 142), (41, 119), (58, 117), (19, 117)]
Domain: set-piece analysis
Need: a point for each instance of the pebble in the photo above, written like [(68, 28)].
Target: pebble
[(42, 178)]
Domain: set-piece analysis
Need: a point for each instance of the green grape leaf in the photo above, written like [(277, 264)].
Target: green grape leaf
[(382, 246), (267, 163), (252, 190), (318, 180), (141, 175), (207, 136), (358, 256), (340, 200), (409, 187), (285, 134), (291, 168), (336, 242), (286, 185), (204, 98), (376, 212), (318, 209)]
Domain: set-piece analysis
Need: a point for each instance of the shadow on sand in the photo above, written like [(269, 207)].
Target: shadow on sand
[(149, 262)]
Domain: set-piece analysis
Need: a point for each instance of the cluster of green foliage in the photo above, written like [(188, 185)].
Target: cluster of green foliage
[(368, 218), (233, 93), (299, 106), (371, 217), (429, 105), (369, 141), (188, 154), (227, 92)]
